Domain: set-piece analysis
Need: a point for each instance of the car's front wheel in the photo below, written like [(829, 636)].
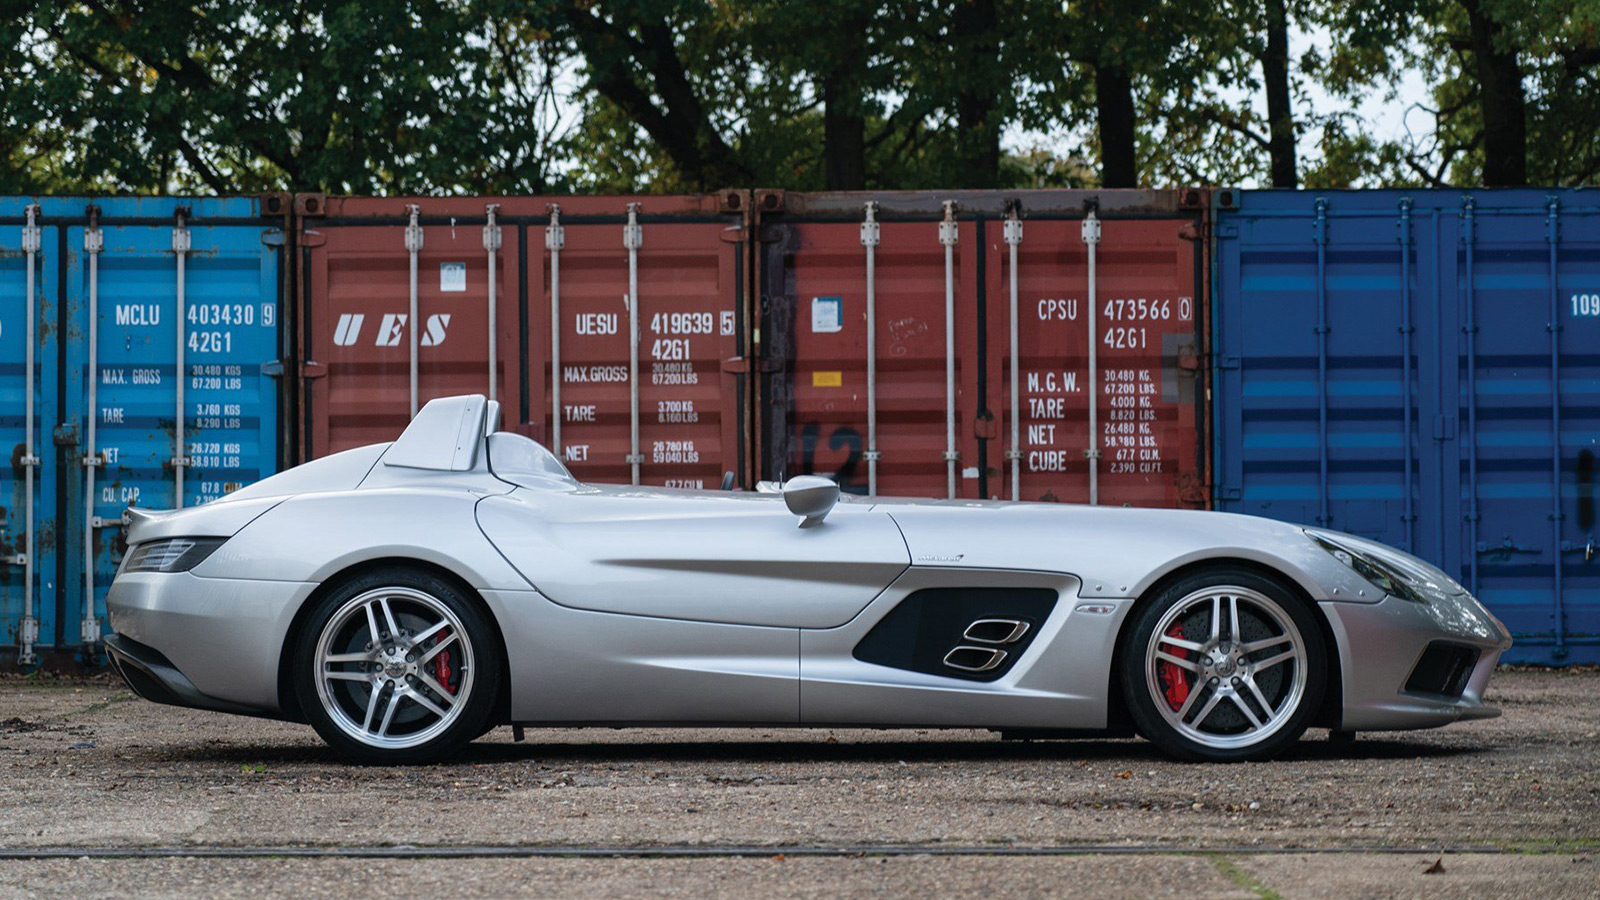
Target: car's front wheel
[(1223, 666), (397, 666)]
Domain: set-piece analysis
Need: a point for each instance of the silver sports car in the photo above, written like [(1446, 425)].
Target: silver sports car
[(405, 598)]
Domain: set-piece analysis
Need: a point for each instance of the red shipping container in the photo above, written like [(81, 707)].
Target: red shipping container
[(821, 408), (561, 259)]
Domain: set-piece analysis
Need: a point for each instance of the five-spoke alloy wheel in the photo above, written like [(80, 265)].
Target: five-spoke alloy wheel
[(397, 666), (1226, 665)]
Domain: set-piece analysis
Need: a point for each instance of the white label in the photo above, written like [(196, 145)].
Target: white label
[(452, 277), (827, 315)]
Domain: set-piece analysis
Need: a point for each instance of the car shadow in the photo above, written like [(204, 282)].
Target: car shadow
[(546, 753)]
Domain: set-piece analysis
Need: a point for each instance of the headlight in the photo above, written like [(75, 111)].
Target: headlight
[(170, 554), (1381, 575)]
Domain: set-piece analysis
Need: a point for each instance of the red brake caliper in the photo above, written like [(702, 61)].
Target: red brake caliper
[(441, 663), (1173, 683)]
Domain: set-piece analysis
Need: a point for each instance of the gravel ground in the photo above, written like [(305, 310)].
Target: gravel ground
[(86, 764)]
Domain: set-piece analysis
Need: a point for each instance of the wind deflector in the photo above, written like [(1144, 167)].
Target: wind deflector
[(444, 436)]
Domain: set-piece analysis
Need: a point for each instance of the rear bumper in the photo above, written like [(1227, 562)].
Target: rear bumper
[(154, 677), (1380, 646), (219, 639)]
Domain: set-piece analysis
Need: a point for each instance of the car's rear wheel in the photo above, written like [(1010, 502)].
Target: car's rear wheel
[(397, 666), (1223, 666)]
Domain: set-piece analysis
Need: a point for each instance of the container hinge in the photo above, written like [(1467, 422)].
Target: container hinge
[(311, 369), (32, 236), (1229, 493), (1188, 231), (491, 231), (1227, 362), (1188, 362), (311, 239), (65, 435), (95, 461), (1090, 229), (555, 236), (272, 368), (734, 234), (743, 365), (272, 237), (414, 230), (1225, 231), (871, 233)]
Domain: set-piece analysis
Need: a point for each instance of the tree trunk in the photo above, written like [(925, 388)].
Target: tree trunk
[(1280, 110), (1113, 99), (1501, 100), (844, 134), (977, 131)]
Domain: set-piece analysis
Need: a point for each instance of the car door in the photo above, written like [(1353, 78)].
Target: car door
[(724, 557)]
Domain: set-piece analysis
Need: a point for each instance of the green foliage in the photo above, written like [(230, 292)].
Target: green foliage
[(507, 96)]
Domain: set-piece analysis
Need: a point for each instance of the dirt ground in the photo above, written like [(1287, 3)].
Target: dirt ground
[(1510, 806)]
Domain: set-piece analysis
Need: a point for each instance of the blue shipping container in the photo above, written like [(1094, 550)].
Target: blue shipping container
[(1423, 368), (155, 326)]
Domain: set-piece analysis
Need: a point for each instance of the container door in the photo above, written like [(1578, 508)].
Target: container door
[(27, 528), (835, 405), (172, 397), (1148, 303), (1531, 419), (367, 367), (688, 272)]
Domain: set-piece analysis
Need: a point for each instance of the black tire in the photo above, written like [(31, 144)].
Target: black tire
[(1240, 688), (417, 674)]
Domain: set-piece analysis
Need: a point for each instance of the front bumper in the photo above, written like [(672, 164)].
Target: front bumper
[(210, 643), (1381, 645)]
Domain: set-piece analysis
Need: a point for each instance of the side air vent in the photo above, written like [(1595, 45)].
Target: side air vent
[(976, 634), (975, 659), (996, 631), (1444, 669)]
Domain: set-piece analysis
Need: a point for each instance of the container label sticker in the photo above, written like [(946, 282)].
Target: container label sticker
[(452, 277), (827, 379), (827, 315)]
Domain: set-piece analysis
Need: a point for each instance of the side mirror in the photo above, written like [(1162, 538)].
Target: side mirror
[(811, 497)]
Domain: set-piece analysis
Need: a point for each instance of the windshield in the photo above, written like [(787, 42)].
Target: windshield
[(518, 460)]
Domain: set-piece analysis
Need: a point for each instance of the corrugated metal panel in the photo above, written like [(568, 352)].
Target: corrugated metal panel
[(141, 385), (565, 259), (1423, 368), (823, 413)]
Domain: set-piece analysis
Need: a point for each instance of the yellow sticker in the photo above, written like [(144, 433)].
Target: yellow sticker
[(827, 379)]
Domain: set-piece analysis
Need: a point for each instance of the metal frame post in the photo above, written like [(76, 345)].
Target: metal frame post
[(633, 239), (948, 235), (1553, 231), (413, 247), (93, 244), (871, 235), (1012, 231), (29, 633), (555, 238), (181, 244), (1469, 222), (1319, 235), (1406, 330), (491, 247), (1090, 232)]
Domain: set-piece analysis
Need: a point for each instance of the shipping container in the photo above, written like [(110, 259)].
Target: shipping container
[(1423, 368), (890, 320), (154, 383), (531, 301)]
